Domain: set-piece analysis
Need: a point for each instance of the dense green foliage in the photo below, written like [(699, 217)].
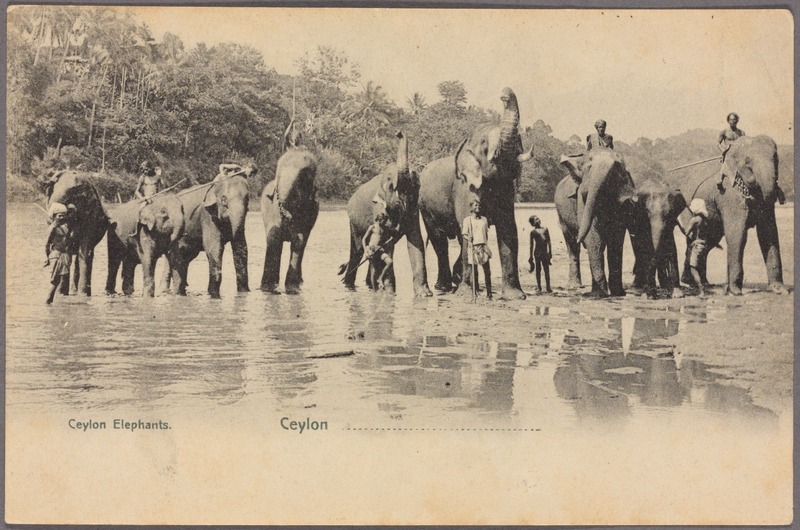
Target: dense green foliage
[(91, 88)]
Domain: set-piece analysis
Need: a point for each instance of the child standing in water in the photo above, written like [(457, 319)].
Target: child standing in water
[(541, 253), (375, 239), (57, 248), (475, 230), (697, 232)]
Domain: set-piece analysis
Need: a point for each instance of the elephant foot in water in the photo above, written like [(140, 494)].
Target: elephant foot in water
[(574, 285), (677, 292), (733, 290), (292, 289), (778, 288), (422, 291), (271, 288), (511, 293), (443, 287)]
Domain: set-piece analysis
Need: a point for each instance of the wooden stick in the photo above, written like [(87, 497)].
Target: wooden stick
[(693, 164)]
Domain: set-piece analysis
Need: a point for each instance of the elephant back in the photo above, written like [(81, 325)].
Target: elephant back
[(690, 183)]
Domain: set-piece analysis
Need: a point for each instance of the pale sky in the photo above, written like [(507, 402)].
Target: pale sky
[(648, 73)]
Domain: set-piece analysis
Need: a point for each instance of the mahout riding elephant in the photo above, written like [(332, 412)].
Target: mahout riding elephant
[(745, 199), (487, 165), (394, 191), (215, 215), (596, 214), (654, 216), (289, 207), (75, 187), (140, 231)]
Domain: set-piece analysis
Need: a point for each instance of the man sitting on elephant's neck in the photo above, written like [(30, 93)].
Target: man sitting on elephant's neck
[(600, 138)]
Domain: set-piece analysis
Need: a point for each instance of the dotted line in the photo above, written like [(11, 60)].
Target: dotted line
[(432, 429)]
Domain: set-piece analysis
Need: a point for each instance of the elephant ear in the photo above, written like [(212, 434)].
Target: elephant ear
[(210, 202), (468, 168), (573, 164), (627, 192), (677, 202), (147, 218)]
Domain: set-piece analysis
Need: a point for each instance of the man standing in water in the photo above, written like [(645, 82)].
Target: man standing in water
[(541, 253), (475, 230), (600, 138)]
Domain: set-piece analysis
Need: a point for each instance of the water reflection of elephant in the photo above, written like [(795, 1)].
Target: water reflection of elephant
[(606, 377), (436, 367)]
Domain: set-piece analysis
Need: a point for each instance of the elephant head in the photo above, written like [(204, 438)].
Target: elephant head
[(162, 216), (754, 160), (227, 202), (661, 205), (603, 179), (400, 185), (492, 147)]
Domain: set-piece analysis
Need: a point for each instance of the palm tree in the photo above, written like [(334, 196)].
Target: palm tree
[(371, 104), (416, 103)]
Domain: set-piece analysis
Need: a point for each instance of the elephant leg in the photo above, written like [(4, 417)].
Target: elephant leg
[(487, 279), (71, 286), (239, 248), (128, 268), (416, 254), (767, 233), (508, 242), (595, 248), (736, 237), (114, 261), (686, 276), (615, 242), (214, 254), (574, 252), (356, 251), (83, 267), (272, 260), (292, 283), (176, 272), (166, 276), (464, 266), (458, 266), (444, 280), (668, 273)]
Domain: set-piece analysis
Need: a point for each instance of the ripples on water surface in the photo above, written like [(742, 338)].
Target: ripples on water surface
[(364, 359)]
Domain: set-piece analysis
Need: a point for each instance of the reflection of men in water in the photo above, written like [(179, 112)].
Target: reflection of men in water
[(475, 230), (150, 181), (600, 138), (541, 253), (697, 233)]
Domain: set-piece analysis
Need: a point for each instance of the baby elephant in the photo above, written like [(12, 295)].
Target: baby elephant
[(140, 231)]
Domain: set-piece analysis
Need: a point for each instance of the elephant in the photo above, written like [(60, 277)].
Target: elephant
[(215, 215), (91, 221), (652, 231), (140, 231), (487, 165), (746, 198), (289, 207), (596, 214), (394, 191)]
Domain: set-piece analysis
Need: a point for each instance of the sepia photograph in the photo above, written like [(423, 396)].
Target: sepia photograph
[(399, 266)]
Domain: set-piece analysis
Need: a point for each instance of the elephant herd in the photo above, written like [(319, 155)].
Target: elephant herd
[(597, 203)]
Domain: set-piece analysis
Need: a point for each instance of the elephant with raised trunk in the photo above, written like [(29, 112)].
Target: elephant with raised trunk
[(745, 199), (140, 231), (91, 221), (596, 215), (289, 207), (215, 215), (394, 191), (487, 165)]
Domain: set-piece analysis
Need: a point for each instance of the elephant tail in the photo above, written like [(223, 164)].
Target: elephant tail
[(342, 269)]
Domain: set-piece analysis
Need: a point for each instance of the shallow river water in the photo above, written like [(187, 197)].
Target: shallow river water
[(374, 360), (558, 409)]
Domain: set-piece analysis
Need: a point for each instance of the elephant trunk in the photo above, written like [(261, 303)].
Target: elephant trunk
[(402, 155), (590, 203), (236, 216), (657, 230), (177, 231), (509, 123)]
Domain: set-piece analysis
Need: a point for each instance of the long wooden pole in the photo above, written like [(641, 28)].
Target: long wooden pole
[(693, 164)]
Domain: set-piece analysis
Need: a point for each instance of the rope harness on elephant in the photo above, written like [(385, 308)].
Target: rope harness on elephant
[(741, 187)]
